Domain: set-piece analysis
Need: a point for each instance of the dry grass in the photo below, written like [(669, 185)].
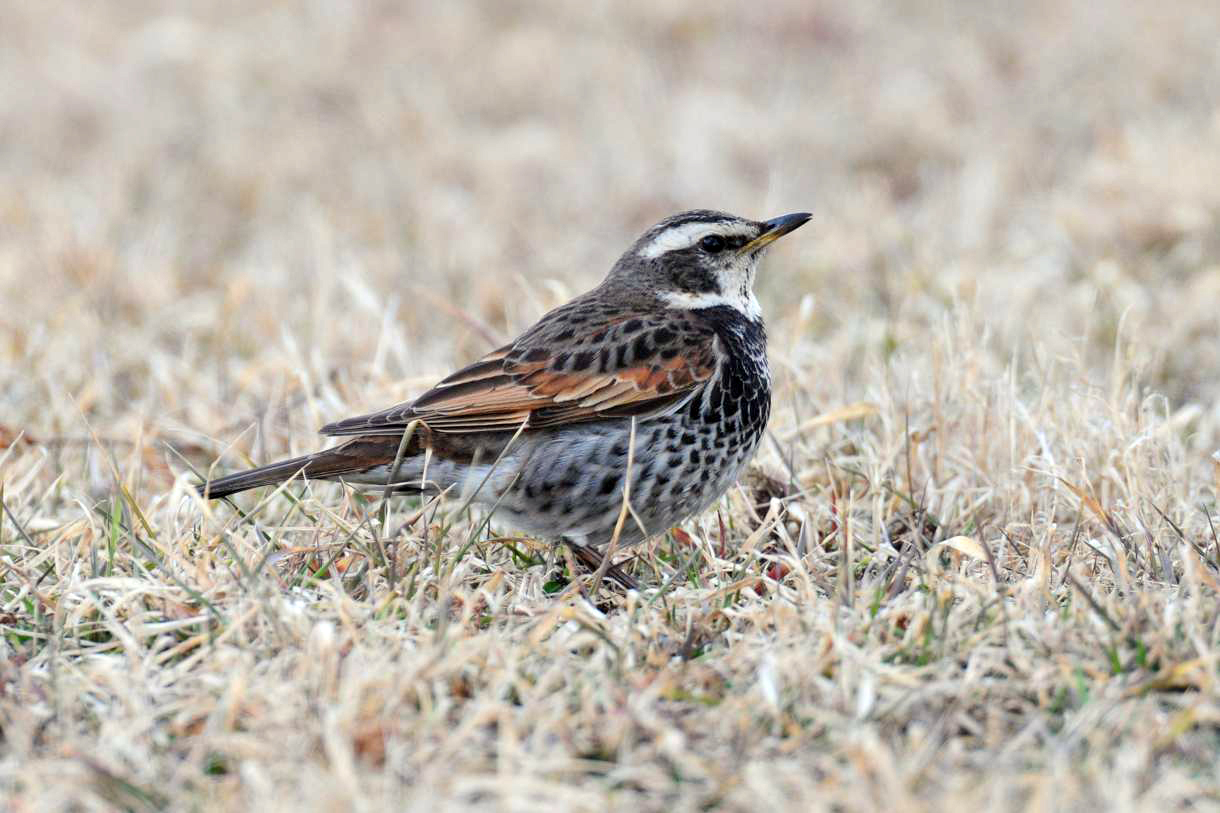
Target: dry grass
[(973, 570)]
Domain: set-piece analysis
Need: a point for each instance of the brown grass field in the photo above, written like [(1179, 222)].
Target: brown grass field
[(974, 567)]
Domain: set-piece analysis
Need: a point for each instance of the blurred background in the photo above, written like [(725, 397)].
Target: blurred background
[(223, 224), (224, 216)]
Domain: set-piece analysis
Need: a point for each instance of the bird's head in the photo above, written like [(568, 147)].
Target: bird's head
[(703, 259)]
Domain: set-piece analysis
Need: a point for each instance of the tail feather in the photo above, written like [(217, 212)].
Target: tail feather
[(253, 478), (350, 458)]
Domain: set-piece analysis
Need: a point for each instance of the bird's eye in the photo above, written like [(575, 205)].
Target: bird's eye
[(712, 243)]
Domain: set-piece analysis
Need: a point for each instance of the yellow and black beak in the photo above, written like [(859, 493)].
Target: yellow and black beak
[(776, 228)]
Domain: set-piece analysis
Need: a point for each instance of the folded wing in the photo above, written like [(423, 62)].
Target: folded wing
[(619, 367)]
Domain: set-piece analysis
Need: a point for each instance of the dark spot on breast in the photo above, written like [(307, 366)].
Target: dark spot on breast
[(675, 461), (609, 483), (560, 361), (669, 352), (547, 506), (631, 326), (565, 335), (537, 354), (663, 336), (688, 438), (603, 362), (621, 356), (694, 457)]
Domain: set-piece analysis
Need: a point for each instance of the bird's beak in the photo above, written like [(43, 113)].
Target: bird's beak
[(776, 228)]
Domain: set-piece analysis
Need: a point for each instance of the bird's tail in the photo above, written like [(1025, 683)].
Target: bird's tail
[(352, 458), (253, 478)]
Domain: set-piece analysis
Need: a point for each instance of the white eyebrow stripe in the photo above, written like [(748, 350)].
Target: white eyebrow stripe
[(676, 238)]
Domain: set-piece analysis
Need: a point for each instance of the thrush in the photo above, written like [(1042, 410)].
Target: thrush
[(652, 390)]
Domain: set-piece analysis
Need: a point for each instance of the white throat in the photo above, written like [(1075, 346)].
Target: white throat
[(747, 305)]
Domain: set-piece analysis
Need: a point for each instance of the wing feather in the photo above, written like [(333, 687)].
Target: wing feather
[(529, 381)]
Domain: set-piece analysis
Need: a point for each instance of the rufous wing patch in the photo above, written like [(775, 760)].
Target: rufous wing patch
[(509, 387)]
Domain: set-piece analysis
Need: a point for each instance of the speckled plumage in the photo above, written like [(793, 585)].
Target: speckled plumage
[(671, 339)]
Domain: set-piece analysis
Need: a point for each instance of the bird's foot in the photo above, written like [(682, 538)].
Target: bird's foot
[(592, 559)]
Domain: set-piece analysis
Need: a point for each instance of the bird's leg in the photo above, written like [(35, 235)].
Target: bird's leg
[(591, 559)]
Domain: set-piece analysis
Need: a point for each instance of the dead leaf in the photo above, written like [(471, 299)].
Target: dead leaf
[(1088, 500), (851, 412), (965, 545)]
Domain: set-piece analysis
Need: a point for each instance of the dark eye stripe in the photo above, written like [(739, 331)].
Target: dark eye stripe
[(733, 241)]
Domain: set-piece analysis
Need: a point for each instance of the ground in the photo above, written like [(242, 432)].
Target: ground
[(973, 567)]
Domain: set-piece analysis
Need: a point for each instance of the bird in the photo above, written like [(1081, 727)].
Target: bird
[(649, 392)]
